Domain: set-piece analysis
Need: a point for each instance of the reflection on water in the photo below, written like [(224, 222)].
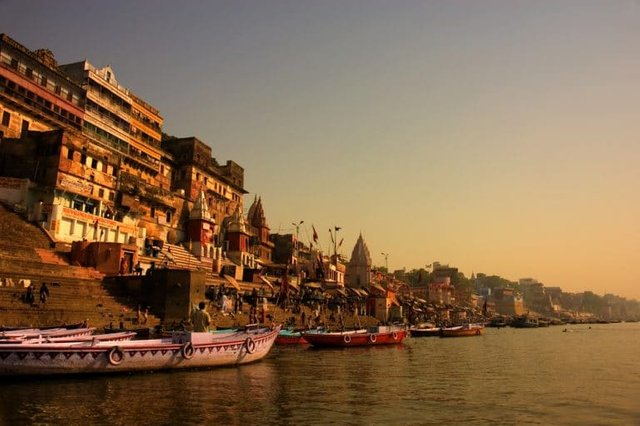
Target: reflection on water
[(508, 376)]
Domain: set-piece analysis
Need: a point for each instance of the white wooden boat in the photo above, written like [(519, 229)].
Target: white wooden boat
[(182, 350), (36, 333), (94, 338)]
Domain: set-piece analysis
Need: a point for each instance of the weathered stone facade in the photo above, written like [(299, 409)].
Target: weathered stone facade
[(89, 161)]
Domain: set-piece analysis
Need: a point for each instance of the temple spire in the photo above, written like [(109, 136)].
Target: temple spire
[(200, 208)]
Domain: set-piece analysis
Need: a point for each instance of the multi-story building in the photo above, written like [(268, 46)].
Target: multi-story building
[(91, 164), (441, 291), (508, 302), (34, 93)]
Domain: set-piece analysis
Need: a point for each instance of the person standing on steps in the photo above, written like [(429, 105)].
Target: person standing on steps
[(44, 293)]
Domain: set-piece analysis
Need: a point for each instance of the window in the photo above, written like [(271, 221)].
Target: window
[(29, 73), (58, 90), (94, 163), (168, 216), (83, 159), (153, 212), (6, 118), (25, 125), (70, 154), (14, 63), (43, 81), (111, 196), (101, 193)]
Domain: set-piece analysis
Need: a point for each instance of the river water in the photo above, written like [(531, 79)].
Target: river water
[(586, 375)]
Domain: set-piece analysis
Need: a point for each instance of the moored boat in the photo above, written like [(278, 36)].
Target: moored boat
[(525, 321), (424, 330), (498, 322), (462, 330), (38, 333), (182, 350), (107, 337), (290, 337), (380, 335)]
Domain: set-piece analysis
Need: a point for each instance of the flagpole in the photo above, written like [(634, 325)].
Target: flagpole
[(335, 244)]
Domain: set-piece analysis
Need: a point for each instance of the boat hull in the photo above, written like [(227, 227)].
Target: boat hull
[(461, 331), (195, 350), (287, 337), (355, 338), (424, 332)]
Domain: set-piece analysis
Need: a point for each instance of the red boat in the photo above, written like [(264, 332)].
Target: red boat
[(382, 335)]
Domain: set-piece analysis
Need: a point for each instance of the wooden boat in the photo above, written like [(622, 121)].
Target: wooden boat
[(107, 337), (381, 335), (182, 350), (525, 321), (50, 327), (462, 330), (290, 337), (424, 332), (498, 322), (37, 333)]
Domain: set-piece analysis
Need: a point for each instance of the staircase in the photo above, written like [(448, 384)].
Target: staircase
[(16, 229), (179, 257), (76, 293), (68, 303), (174, 257)]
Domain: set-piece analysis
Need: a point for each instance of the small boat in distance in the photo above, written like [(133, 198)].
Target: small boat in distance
[(462, 330), (379, 335), (525, 321)]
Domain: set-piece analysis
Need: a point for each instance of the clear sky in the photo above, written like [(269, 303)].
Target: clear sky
[(499, 137)]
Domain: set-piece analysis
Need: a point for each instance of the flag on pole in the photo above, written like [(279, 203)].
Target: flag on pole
[(340, 243), (315, 234)]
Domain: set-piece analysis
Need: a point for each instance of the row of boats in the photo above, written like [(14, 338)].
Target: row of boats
[(37, 352), (380, 335), (79, 350)]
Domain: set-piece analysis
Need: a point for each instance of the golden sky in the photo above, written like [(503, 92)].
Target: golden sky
[(498, 136)]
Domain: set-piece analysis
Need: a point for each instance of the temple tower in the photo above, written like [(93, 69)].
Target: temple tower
[(358, 273), (201, 229), (260, 244)]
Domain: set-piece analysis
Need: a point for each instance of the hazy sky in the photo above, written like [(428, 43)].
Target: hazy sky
[(496, 136)]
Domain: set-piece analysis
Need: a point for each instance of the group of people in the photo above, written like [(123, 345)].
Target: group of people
[(30, 295)]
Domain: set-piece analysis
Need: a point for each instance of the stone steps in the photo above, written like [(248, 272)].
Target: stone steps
[(67, 304), (14, 228), (76, 294), (52, 257)]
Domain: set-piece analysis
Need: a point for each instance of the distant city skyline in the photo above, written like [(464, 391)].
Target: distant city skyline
[(498, 137)]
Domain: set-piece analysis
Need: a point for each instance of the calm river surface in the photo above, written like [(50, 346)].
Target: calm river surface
[(588, 375)]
